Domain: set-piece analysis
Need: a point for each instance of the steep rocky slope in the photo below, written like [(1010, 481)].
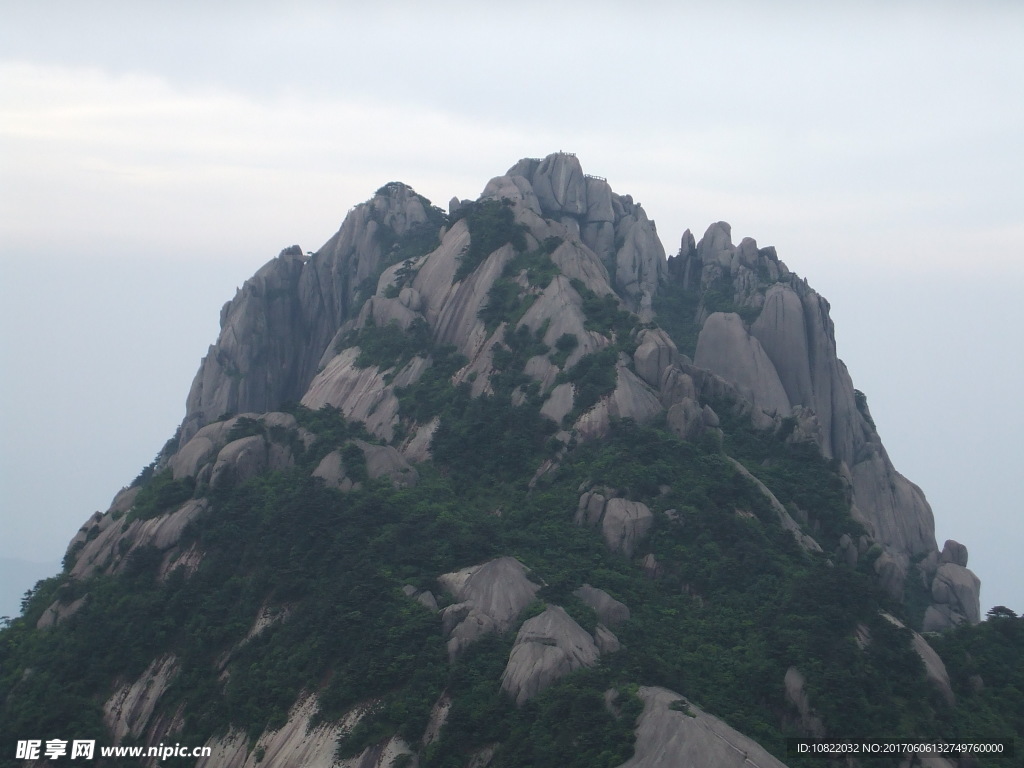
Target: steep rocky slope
[(500, 460)]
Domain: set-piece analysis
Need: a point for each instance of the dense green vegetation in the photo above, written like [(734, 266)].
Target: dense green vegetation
[(734, 604), (986, 667), (491, 225)]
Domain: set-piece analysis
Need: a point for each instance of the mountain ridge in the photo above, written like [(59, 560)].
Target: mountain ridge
[(536, 350)]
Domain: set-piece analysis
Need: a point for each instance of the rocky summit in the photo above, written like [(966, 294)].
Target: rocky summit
[(504, 485)]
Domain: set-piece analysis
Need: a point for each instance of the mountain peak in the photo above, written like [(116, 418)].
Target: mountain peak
[(442, 427)]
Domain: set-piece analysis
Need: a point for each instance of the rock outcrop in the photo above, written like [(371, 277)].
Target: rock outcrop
[(623, 523), (765, 332), (547, 648), (274, 332), (686, 735), (490, 597), (609, 610)]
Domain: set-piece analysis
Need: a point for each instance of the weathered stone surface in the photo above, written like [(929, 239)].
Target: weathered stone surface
[(300, 741), (631, 399), (898, 514), (666, 738), (725, 347), (548, 647), (639, 263), (578, 262), (954, 552), (655, 352), (385, 461), (560, 308), (108, 551), (559, 403), (418, 447), (686, 419), (490, 597), (332, 471), (240, 460), (955, 592), (625, 524), (796, 694), (609, 610), (605, 640), (560, 186), (361, 394), (275, 330), (129, 710)]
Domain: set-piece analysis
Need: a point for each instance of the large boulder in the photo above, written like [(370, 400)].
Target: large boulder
[(609, 610), (547, 648), (673, 732), (955, 598), (624, 524), (726, 348), (490, 597)]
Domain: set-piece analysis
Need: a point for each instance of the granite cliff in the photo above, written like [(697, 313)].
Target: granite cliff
[(401, 408)]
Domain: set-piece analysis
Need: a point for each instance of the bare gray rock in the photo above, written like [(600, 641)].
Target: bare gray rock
[(129, 710), (796, 694), (655, 352), (361, 394), (632, 399), (385, 461), (955, 595), (605, 640), (490, 597), (559, 184), (332, 471), (725, 347), (547, 648), (109, 550), (954, 552), (667, 738), (609, 610), (240, 460), (623, 523), (559, 403), (639, 263)]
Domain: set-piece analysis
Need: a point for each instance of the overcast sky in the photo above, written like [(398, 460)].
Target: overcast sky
[(154, 155)]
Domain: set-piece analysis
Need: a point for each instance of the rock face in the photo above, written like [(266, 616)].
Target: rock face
[(130, 710), (302, 740), (775, 345), (548, 647), (955, 592), (274, 332), (490, 596), (666, 737), (796, 694), (623, 523), (609, 610)]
